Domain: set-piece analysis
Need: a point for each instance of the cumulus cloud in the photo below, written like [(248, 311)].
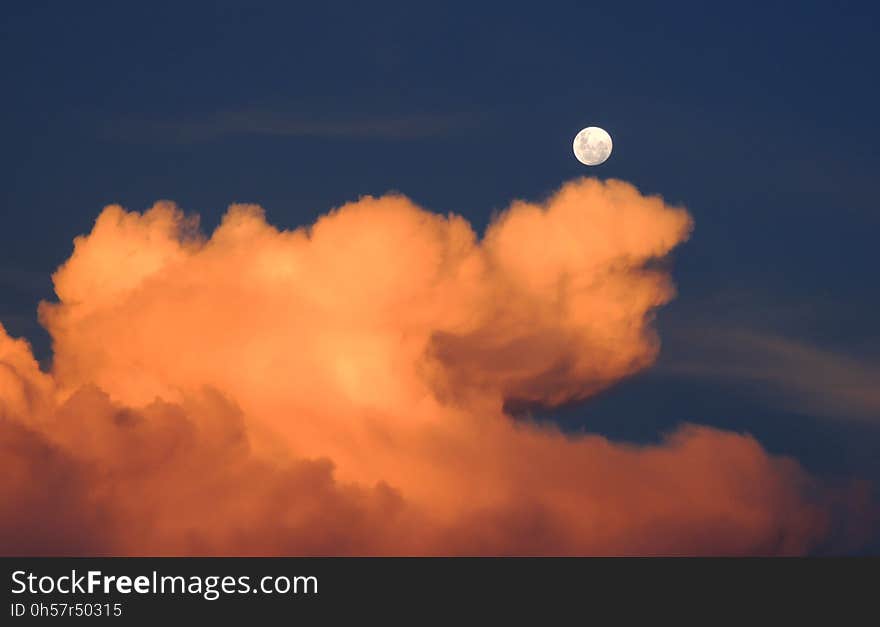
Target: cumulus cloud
[(341, 389)]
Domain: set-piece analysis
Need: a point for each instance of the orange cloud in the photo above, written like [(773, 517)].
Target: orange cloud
[(340, 389)]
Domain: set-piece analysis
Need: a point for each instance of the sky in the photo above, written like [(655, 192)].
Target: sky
[(758, 119)]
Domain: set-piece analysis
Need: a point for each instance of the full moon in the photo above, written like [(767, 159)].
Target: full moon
[(592, 146)]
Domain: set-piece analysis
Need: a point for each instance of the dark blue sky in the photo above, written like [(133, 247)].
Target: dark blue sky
[(760, 118)]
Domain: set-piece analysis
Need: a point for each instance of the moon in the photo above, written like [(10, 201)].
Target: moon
[(592, 145)]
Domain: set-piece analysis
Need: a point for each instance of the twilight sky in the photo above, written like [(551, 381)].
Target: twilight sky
[(759, 119)]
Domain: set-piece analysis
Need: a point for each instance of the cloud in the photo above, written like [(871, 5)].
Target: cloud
[(762, 345), (340, 389), (792, 373), (281, 124)]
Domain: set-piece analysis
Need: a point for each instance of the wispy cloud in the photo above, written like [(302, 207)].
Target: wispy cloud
[(793, 373), (285, 124)]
